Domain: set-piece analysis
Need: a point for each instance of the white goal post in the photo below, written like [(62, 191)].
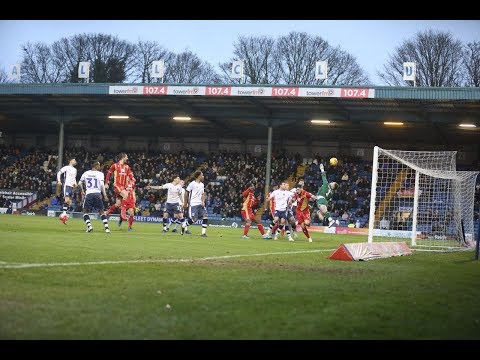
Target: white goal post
[(420, 197)]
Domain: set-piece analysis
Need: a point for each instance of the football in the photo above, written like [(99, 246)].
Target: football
[(333, 161)]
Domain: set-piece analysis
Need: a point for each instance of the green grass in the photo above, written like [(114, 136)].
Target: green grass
[(58, 282)]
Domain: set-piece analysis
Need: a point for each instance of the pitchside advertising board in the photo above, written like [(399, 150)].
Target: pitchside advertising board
[(291, 91), (151, 219), (19, 198)]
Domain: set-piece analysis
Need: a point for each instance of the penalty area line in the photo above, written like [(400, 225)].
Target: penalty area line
[(4, 265)]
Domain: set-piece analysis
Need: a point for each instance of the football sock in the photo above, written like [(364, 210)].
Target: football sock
[(105, 221), (86, 218), (261, 229), (204, 225), (245, 229)]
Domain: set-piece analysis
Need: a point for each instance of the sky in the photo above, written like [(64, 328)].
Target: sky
[(371, 42)]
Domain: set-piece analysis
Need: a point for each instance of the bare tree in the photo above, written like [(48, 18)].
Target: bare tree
[(115, 56), (343, 69), (69, 52), (257, 54), (111, 59), (292, 59), (39, 65), (296, 57), (436, 55), (146, 53), (471, 61), (187, 68), (3, 76)]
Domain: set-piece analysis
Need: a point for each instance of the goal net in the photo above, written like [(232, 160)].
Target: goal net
[(420, 198)]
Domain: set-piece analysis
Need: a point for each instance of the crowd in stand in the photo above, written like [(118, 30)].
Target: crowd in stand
[(24, 169), (226, 176), (4, 202)]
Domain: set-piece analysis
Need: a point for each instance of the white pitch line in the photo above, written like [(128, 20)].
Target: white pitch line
[(4, 265)]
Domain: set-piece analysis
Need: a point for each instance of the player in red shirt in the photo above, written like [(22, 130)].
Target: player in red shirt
[(248, 203), (128, 204), (302, 197), (120, 171)]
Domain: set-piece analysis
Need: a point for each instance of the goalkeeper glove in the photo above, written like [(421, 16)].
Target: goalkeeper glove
[(322, 169)]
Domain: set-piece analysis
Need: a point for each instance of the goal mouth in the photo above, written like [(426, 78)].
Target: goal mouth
[(419, 196)]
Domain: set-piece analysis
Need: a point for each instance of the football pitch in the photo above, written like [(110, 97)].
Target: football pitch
[(59, 282)]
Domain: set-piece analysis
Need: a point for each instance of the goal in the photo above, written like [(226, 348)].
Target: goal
[(419, 197)]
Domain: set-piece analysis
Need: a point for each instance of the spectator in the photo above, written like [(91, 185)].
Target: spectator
[(9, 206), (384, 224), (55, 201)]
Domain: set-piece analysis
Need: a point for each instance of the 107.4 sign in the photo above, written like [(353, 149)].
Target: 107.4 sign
[(354, 93)]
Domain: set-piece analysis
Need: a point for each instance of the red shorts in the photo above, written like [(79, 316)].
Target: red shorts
[(118, 189), (302, 216), (248, 215), (128, 204)]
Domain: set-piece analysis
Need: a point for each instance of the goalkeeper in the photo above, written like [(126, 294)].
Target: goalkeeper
[(324, 195)]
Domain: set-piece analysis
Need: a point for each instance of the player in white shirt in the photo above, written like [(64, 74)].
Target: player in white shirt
[(69, 175), (195, 202), (172, 208), (281, 197), (181, 198), (292, 221), (92, 185)]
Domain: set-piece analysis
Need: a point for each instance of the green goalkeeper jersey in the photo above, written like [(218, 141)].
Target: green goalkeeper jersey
[(324, 193)]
